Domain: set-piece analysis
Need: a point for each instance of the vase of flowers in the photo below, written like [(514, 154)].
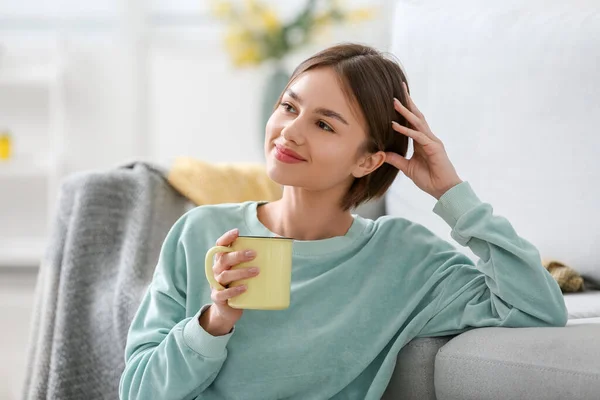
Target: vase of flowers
[(276, 80), (256, 35)]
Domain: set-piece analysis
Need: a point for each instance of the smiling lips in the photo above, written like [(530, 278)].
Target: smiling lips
[(287, 156)]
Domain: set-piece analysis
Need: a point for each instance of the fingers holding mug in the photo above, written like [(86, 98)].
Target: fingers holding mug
[(221, 296), (213, 269), (220, 273), (228, 237), (230, 275), (226, 240), (228, 260)]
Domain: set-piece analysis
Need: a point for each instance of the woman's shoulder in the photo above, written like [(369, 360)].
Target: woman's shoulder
[(212, 218), (219, 211), (406, 231), (388, 223)]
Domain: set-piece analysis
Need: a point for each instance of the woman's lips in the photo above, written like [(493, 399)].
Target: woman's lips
[(287, 156)]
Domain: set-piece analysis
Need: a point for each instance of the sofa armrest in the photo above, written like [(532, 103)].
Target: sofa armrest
[(520, 363), (413, 376)]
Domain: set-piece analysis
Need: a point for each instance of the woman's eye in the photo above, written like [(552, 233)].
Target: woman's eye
[(324, 126), (288, 107)]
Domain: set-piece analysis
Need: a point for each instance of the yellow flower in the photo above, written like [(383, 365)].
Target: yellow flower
[(252, 6), (221, 9), (255, 29), (242, 46), (270, 21), (248, 55), (236, 37), (323, 19), (260, 18), (359, 15)]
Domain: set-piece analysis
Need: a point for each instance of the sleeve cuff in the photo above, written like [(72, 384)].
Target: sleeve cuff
[(203, 342), (456, 202)]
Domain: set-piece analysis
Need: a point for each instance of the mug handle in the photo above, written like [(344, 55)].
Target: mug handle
[(208, 265)]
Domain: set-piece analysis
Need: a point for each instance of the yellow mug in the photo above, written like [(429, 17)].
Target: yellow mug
[(270, 289)]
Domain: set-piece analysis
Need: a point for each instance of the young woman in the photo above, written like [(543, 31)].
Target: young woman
[(361, 289)]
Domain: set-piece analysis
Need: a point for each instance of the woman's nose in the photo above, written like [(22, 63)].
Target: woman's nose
[(292, 132)]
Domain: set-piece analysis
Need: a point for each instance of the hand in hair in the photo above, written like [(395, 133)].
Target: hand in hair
[(429, 167)]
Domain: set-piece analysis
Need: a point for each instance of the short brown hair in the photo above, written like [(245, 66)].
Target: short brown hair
[(370, 81)]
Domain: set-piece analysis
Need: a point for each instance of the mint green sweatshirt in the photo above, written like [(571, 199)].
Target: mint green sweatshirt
[(356, 300)]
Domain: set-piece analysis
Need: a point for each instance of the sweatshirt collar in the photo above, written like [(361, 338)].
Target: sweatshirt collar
[(308, 248)]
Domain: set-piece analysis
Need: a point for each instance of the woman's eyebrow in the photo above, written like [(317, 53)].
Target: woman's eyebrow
[(323, 111), (330, 113)]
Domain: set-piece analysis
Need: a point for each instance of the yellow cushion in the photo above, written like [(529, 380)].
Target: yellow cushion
[(206, 183)]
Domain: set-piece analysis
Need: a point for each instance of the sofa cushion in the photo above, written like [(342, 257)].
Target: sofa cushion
[(510, 87), (583, 304), (520, 363), (583, 321)]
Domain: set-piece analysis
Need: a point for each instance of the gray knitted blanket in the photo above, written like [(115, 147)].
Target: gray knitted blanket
[(106, 238)]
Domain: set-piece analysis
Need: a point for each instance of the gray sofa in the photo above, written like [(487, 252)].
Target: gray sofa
[(105, 243)]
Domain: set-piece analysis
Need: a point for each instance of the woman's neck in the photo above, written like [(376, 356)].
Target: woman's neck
[(304, 215)]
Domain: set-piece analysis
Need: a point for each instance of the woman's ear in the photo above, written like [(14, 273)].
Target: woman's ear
[(368, 164)]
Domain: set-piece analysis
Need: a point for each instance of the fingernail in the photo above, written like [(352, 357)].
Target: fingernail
[(253, 270), (240, 288), (234, 230), (249, 253), (395, 123)]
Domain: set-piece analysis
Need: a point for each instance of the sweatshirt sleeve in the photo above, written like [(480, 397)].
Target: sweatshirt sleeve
[(169, 355), (509, 287)]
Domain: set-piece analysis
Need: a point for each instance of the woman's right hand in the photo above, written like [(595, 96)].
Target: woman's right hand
[(219, 318)]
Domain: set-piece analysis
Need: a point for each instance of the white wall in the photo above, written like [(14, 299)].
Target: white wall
[(512, 90)]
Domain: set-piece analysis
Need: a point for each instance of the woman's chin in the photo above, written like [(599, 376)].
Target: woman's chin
[(278, 174)]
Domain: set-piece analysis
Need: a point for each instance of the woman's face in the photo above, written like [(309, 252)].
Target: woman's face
[(313, 139)]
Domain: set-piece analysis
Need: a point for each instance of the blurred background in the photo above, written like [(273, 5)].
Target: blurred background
[(97, 84)]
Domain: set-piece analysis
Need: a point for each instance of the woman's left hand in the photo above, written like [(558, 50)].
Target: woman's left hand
[(429, 167)]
